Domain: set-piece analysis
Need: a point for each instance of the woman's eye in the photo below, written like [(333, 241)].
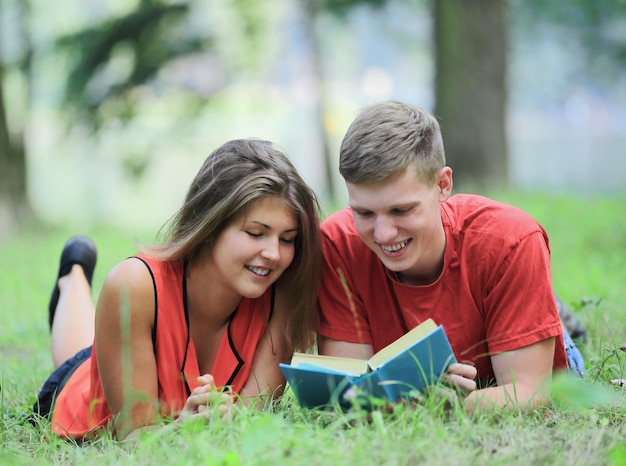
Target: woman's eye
[(254, 234), (288, 240)]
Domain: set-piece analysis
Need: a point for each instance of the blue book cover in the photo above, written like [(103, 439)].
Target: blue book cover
[(317, 387), (413, 362)]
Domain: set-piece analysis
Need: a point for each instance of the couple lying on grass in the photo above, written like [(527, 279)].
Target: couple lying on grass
[(199, 324)]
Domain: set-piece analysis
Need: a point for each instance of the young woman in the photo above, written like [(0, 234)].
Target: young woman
[(187, 328)]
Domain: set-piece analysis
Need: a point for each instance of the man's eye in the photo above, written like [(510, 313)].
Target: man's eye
[(364, 213), (402, 211)]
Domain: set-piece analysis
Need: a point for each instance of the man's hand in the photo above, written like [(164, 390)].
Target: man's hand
[(461, 377)]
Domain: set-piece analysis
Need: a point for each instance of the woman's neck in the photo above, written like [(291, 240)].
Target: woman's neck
[(208, 298)]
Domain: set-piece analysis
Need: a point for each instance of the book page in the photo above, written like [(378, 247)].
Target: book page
[(349, 366), (406, 340), (312, 367)]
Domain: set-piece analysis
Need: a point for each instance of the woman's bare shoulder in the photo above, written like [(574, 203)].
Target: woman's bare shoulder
[(129, 282)]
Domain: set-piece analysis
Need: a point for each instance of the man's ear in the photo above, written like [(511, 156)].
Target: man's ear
[(444, 183)]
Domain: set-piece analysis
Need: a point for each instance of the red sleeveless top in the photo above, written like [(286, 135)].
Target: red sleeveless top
[(80, 409)]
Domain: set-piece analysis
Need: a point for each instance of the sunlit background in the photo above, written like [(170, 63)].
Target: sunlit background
[(294, 72)]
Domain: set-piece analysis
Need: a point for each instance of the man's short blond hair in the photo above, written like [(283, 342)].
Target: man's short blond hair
[(387, 138)]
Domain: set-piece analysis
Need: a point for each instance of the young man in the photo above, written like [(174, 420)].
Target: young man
[(406, 250)]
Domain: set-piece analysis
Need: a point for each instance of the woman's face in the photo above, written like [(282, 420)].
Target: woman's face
[(257, 247)]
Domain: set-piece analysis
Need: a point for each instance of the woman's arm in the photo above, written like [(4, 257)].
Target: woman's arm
[(124, 349)]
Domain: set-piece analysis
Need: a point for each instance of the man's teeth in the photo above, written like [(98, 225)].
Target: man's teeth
[(259, 271), (395, 247)]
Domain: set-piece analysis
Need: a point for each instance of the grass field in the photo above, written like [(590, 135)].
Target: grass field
[(586, 426)]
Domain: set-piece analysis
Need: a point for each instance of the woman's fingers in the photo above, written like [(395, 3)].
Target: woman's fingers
[(215, 403), (206, 379), (206, 401)]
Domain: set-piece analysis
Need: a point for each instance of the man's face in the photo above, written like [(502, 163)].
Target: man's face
[(400, 220)]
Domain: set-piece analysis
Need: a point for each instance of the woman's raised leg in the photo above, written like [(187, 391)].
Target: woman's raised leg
[(71, 309)]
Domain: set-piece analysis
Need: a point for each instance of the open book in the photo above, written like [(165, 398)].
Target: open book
[(412, 362)]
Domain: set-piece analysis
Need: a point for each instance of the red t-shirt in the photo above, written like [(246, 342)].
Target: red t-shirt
[(81, 409), (494, 293)]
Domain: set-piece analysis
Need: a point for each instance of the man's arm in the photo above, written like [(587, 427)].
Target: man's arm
[(330, 347), (523, 377)]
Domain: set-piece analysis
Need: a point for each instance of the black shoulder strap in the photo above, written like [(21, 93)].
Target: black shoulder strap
[(273, 297), (156, 303)]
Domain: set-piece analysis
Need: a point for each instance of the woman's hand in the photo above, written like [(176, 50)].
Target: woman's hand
[(206, 401), (461, 377)]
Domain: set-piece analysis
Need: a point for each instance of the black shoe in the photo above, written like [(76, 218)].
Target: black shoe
[(77, 250)]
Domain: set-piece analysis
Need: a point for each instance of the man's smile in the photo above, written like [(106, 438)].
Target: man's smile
[(394, 247)]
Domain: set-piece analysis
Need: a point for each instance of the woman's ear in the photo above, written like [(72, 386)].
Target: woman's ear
[(444, 183)]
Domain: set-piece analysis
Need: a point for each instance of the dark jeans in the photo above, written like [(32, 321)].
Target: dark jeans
[(56, 381)]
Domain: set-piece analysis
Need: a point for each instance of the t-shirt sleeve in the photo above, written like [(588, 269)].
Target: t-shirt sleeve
[(342, 313), (519, 303)]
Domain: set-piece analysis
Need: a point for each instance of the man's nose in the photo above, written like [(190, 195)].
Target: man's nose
[(385, 230)]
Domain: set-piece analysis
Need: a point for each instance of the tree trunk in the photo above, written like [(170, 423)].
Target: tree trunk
[(470, 89), (14, 206), (311, 13)]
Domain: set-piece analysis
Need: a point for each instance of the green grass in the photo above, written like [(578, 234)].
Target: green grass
[(585, 426)]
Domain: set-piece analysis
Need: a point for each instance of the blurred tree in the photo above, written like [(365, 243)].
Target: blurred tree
[(311, 11), (154, 35), (146, 40), (14, 204), (470, 88), (151, 36), (146, 34), (470, 45), (598, 29), (313, 8)]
